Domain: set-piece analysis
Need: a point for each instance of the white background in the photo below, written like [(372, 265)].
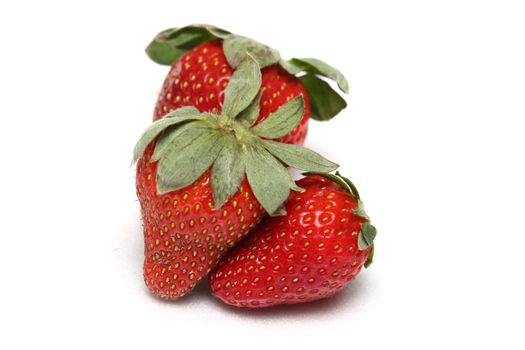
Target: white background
[(433, 137)]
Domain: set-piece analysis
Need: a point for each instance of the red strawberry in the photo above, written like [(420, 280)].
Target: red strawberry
[(198, 78), (203, 59), (184, 234), (195, 198), (309, 254)]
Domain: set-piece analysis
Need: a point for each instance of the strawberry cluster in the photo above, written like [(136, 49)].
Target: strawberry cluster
[(212, 179)]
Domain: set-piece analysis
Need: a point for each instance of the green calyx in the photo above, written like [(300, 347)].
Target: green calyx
[(368, 231), (189, 142), (325, 103), (170, 44)]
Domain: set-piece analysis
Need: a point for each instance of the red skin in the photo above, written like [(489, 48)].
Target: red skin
[(182, 243), (199, 77), (184, 235), (311, 253)]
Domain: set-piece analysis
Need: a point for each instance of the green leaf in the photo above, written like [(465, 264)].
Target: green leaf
[(360, 211), (179, 137), (370, 257), (299, 157), (269, 180), (293, 186), (290, 67), (228, 171), (242, 88), (236, 47), (178, 168), (282, 121), (251, 113), (325, 103), (366, 236), (353, 188), (170, 44), (280, 211), (215, 31), (318, 67), (178, 116), (162, 52)]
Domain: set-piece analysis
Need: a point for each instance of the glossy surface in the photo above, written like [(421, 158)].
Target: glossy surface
[(184, 235), (200, 76), (311, 253)]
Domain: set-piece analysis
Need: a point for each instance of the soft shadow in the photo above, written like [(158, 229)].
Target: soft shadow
[(345, 300), (349, 297)]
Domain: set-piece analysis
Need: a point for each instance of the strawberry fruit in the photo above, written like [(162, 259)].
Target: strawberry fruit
[(308, 254), (204, 57), (200, 76), (208, 170)]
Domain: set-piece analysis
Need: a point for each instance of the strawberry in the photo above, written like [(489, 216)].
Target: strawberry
[(206, 174), (184, 234), (201, 69), (199, 77), (309, 254)]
